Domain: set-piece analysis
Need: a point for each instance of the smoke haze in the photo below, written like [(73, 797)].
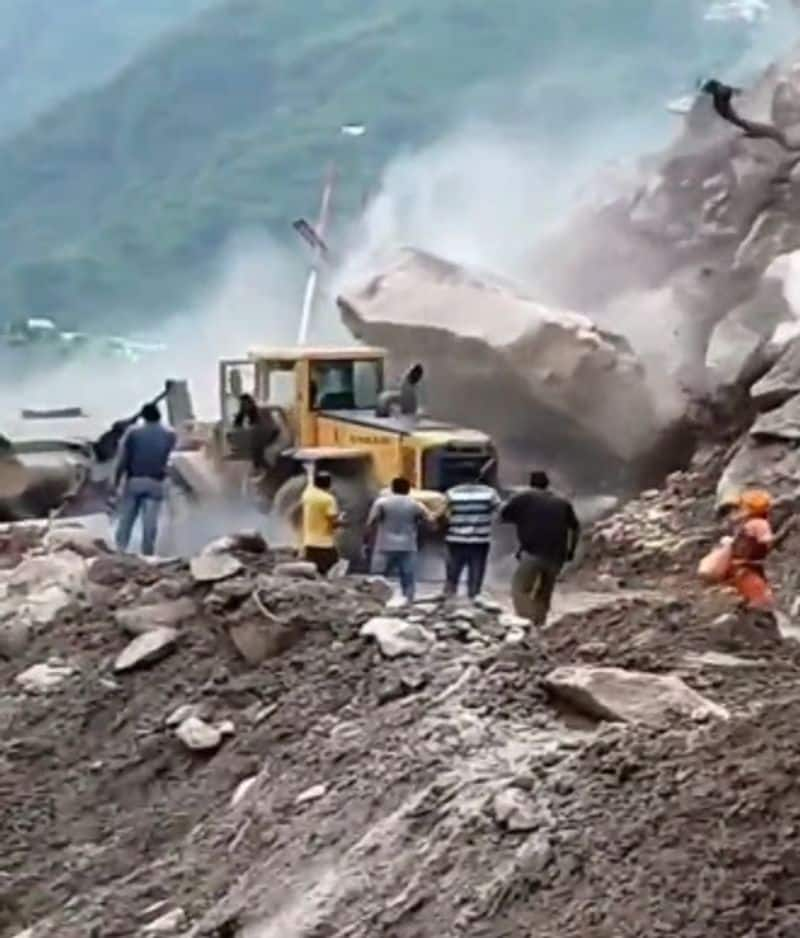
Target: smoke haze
[(483, 194)]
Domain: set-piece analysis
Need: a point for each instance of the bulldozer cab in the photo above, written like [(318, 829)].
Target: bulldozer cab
[(332, 405), (295, 385)]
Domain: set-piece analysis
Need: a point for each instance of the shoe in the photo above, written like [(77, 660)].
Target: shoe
[(397, 602), (487, 603)]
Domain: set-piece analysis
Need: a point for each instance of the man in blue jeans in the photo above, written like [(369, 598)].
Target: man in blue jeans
[(395, 518), (142, 462)]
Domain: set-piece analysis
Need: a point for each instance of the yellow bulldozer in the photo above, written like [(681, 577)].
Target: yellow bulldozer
[(327, 409)]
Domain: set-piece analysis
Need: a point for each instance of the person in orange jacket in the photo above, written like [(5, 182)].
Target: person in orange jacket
[(753, 539)]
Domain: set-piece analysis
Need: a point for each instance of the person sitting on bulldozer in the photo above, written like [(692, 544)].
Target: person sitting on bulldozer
[(262, 430)]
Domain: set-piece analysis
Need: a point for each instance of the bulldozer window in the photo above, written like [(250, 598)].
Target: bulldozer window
[(346, 385), (281, 386), (239, 378)]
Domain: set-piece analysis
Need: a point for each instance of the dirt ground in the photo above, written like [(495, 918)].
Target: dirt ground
[(374, 782)]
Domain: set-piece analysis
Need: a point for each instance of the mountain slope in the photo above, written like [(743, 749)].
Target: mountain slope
[(117, 201), (49, 50)]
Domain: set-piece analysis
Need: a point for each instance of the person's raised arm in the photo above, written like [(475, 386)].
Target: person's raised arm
[(424, 516)]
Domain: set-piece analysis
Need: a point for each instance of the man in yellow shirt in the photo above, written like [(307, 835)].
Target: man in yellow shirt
[(320, 520)]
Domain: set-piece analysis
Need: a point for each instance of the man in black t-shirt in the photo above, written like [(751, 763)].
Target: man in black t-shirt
[(547, 531)]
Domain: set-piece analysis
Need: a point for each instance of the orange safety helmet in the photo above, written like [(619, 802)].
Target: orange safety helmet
[(755, 503)]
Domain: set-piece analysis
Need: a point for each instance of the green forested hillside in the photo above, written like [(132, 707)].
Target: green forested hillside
[(117, 199), (114, 204), (51, 48)]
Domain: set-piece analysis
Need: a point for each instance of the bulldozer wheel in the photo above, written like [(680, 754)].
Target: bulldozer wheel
[(287, 499), (354, 498)]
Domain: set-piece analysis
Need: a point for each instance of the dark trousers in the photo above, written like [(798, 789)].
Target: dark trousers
[(323, 558), (532, 587), (404, 564), (471, 556)]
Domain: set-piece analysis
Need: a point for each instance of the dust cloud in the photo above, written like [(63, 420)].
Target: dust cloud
[(253, 299), (578, 132), (481, 196), (185, 530)]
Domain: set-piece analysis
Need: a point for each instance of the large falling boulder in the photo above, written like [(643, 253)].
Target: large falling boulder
[(548, 385)]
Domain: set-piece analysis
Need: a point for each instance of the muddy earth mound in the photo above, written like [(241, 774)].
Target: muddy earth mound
[(232, 747)]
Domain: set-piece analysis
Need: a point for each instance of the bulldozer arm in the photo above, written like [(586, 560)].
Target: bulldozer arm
[(180, 407)]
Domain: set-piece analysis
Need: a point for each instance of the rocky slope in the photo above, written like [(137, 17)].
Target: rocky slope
[(698, 242), (687, 284), (293, 759)]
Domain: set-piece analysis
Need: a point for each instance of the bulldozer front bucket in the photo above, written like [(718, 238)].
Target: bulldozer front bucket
[(180, 409)]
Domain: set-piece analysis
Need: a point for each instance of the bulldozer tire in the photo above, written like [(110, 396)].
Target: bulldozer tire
[(354, 498), (286, 501)]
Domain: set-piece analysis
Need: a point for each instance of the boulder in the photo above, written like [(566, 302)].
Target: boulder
[(40, 588), (76, 539), (259, 638), (782, 423), (773, 464), (209, 568), (629, 696), (509, 620), (721, 659), (184, 712), (166, 589), (148, 648), (170, 923), (250, 542), (229, 594), (220, 545), (300, 569), (142, 619), (311, 794), (15, 636), (736, 355), (767, 456), (781, 382), (114, 570), (43, 677), (514, 637), (575, 387), (396, 637), (200, 736), (66, 570), (515, 810), (242, 790), (40, 608)]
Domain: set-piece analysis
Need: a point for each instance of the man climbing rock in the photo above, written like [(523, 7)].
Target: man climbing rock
[(722, 96), (547, 531)]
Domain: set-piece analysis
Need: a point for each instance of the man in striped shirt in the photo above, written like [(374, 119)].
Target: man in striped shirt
[(471, 507)]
